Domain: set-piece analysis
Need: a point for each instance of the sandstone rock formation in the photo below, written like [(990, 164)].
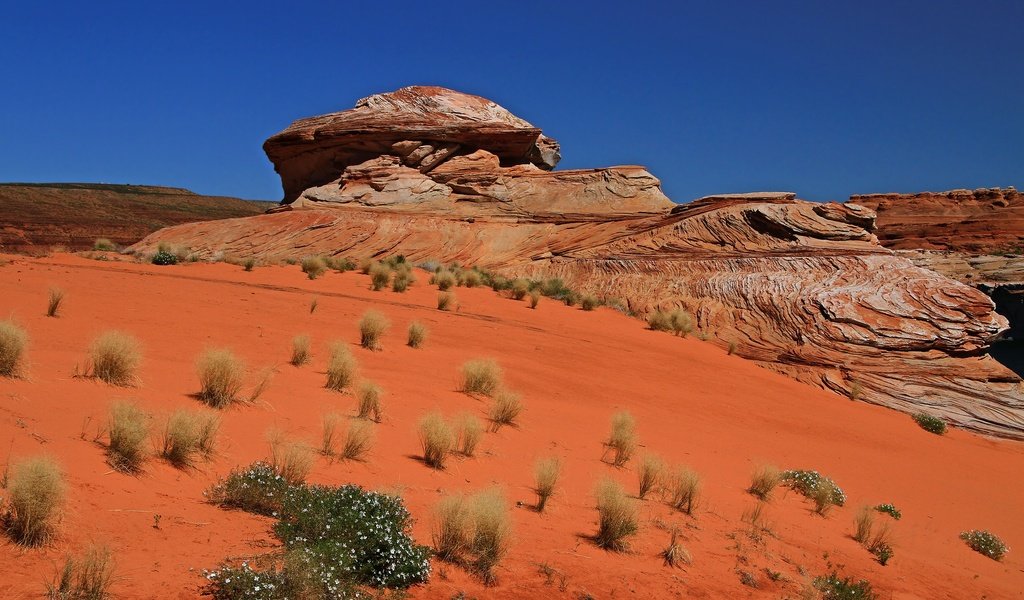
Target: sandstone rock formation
[(802, 288)]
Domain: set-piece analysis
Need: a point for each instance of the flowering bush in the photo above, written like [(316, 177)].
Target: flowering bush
[(985, 543), (832, 587), (257, 489), (931, 424), (163, 257), (890, 510), (809, 482)]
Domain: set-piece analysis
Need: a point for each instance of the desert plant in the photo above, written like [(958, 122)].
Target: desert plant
[(682, 322), (930, 424), (313, 304), (505, 408), (313, 266), (417, 334), (445, 301), (650, 472), (810, 483), (683, 489), (291, 460), (187, 434), (545, 474), (221, 375), (258, 488), (732, 348), (115, 356), (519, 289), (660, 321), (329, 435), (822, 498), (436, 439), (86, 578), (13, 340), (402, 280), (380, 276), (35, 500), (53, 305), (452, 527), (300, 350), (623, 439), (128, 431), (248, 264), (341, 367), (164, 257), (832, 587), (491, 532), (444, 280), (889, 509), (757, 518), (371, 327), (534, 298), (370, 405), (263, 379), (763, 481), (340, 264), (675, 554), (879, 543), (471, 278), (863, 523), (986, 543), (104, 245), (589, 302), (468, 431), (357, 441), (617, 516), (481, 376)]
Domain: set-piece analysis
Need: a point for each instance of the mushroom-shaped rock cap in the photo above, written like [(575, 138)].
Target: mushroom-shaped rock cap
[(422, 125)]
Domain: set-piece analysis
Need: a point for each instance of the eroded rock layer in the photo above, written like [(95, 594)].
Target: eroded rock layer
[(802, 288)]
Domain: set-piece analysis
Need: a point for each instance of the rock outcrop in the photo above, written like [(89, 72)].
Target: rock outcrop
[(802, 288)]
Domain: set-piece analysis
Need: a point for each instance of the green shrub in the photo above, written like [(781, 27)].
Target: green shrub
[(164, 257), (13, 340), (248, 264), (986, 543), (930, 424), (890, 510), (809, 483), (35, 500), (832, 587), (313, 266), (258, 488), (589, 302)]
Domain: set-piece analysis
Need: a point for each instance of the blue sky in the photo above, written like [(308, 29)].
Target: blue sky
[(822, 98)]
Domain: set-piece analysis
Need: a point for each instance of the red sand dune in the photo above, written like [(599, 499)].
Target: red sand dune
[(694, 404)]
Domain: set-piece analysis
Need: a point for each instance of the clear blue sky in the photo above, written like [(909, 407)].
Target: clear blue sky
[(818, 97)]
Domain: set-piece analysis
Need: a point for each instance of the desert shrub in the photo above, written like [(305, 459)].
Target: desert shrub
[(505, 408), (443, 279), (889, 509), (986, 543), (402, 280), (452, 527), (445, 301), (258, 488), (417, 334), (499, 283), (188, 434), (879, 544), (589, 302), (313, 266), (617, 516), (104, 245), (623, 439), (329, 435), (763, 481), (128, 431), (555, 288), (545, 474), (471, 278), (357, 441), (313, 304), (863, 523), (340, 264), (481, 376), (220, 376), (832, 587), (35, 500), (114, 357), (519, 288), (682, 322), (13, 340), (660, 321), (85, 578), (371, 327), (53, 305), (930, 424), (683, 489), (534, 298), (164, 257), (436, 439), (291, 460), (300, 350), (675, 554), (341, 367), (650, 473), (491, 532), (809, 483), (468, 431), (248, 264), (380, 276), (365, 265), (370, 405)]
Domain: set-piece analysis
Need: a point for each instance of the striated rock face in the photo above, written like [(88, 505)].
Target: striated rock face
[(802, 288)]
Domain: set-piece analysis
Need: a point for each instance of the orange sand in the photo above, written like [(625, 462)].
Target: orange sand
[(693, 403)]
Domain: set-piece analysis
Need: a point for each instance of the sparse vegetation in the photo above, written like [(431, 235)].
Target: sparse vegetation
[(370, 405), (481, 376), (164, 257), (313, 304), (757, 518), (417, 334), (589, 302), (930, 424), (468, 431), (115, 356), (815, 486), (832, 587), (863, 524), (188, 434), (519, 289), (329, 435), (104, 245), (248, 264), (545, 474), (341, 367), (677, 321), (300, 350), (402, 280), (505, 409), (617, 517), (764, 480), (340, 264), (650, 473), (53, 305), (889, 509), (452, 528), (371, 327), (623, 439), (221, 375), (445, 301), (675, 555), (258, 488), (380, 276), (436, 439), (290, 459), (313, 266), (128, 432), (86, 578), (683, 489), (443, 279), (35, 500), (986, 543), (534, 298), (13, 341), (357, 442), (491, 532)]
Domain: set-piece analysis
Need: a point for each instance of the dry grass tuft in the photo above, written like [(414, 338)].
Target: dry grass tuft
[(589, 302), (417, 334), (13, 340), (371, 327), (220, 377), (443, 279), (823, 500), (341, 367), (764, 480), (370, 405), (115, 356), (329, 436), (128, 431), (188, 434), (357, 442), (519, 288), (300, 350), (452, 528), (481, 376), (445, 301), (313, 266), (104, 245), (35, 500), (505, 408), (623, 439), (53, 306), (85, 578), (313, 304), (863, 523), (757, 518), (291, 460), (266, 375), (468, 431), (617, 516), (534, 298), (436, 439), (492, 528), (545, 474), (683, 489), (675, 555), (380, 276), (650, 472)]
